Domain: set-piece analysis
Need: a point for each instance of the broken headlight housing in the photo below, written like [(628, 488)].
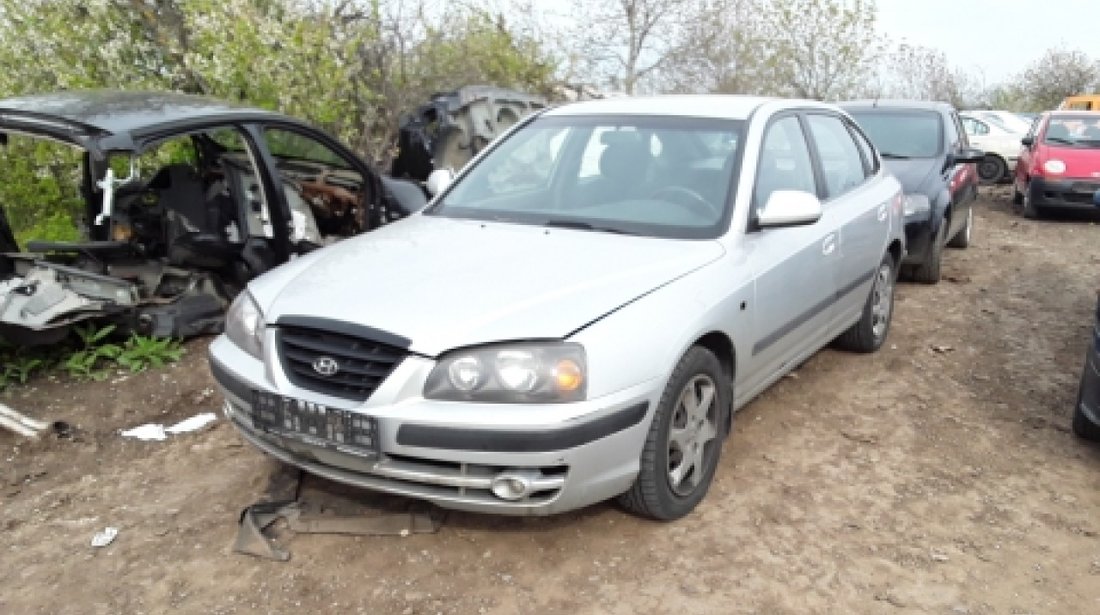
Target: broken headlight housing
[(551, 372), (244, 325)]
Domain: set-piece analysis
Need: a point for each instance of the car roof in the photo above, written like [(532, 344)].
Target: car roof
[(112, 118), (897, 104), (1064, 113), (718, 106), (118, 111)]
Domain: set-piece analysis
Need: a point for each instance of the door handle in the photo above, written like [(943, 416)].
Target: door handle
[(828, 246), (883, 213)]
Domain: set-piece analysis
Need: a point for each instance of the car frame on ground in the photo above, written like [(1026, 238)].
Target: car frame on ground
[(578, 315), (1059, 166), (925, 146), (1001, 146), (184, 199)]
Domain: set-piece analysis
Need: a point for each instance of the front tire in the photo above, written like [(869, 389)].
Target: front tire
[(869, 333), (684, 442), (1082, 426), (928, 271), (962, 239), (1027, 205)]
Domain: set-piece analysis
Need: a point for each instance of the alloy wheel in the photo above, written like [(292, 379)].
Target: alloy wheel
[(692, 434)]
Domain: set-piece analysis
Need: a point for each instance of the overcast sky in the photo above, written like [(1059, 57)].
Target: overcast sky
[(993, 38)]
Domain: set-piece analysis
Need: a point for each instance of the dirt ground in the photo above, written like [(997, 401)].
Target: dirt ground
[(936, 476)]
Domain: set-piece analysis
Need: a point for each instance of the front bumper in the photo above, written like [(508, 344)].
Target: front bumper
[(451, 453), (918, 238), (1063, 193)]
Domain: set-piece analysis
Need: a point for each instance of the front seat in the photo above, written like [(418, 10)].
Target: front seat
[(624, 166)]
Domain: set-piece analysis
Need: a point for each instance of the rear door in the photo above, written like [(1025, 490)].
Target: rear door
[(795, 266), (859, 205)]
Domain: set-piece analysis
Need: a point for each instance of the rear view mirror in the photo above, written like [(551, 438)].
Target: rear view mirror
[(438, 180), (1027, 141), (789, 208)]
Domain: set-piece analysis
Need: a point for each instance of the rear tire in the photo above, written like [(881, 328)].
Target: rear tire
[(928, 271), (869, 333), (992, 169), (681, 450)]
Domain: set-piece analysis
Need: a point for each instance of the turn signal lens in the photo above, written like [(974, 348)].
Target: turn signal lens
[(568, 375)]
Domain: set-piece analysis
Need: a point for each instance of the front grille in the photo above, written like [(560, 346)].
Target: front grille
[(362, 364)]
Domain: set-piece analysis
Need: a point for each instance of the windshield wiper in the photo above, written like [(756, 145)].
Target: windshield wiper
[(585, 226), (894, 156)]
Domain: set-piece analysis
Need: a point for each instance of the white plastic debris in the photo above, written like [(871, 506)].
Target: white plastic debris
[(148, 431), (20, 423), (194, 423), (104, 538), (158, 432)]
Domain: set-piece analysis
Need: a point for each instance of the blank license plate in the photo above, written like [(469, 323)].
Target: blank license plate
[(316, 424)]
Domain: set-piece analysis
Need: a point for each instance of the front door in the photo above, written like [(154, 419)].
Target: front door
[(795, 267)]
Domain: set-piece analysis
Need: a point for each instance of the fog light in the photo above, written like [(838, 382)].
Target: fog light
[(511, 485)]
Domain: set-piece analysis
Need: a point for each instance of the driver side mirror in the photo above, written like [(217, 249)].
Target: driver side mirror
[(969, 154), (1027, 141), (438, 180), (789, 208)]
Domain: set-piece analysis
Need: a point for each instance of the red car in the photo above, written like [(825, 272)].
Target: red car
[(1059, 165)]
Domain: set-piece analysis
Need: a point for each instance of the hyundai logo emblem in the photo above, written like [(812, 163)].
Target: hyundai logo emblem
[(326, 366)]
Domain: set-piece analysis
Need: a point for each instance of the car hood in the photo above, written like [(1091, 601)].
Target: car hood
[(446, 283), (1081, 162), (916, 175)]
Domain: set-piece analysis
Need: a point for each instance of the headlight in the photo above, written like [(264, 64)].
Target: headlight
[(916, 204), (552, 372), (244, 325), (1054, 167)]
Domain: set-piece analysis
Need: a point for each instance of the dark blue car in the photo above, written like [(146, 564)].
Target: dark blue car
[(924, 145)]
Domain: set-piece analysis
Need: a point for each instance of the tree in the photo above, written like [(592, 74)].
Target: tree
[(1058, 74), (820, 49), (920, 73), (623, 42), (720, 51)]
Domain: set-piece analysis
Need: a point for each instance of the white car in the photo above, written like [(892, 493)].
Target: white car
[(1001, 146), (579, 313)]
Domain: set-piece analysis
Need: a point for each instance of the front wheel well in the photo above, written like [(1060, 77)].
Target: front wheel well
[(719, 344), (895, 251)]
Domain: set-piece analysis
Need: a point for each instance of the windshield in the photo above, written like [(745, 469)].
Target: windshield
[(902, 133), (642, 175), (1074, 131)]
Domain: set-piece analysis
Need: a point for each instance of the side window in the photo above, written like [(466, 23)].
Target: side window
[(954, 133), (974, 128), (326, 195), (869, 160), (784, 161), (841, 162)]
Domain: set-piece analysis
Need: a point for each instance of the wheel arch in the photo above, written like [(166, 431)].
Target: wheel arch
[(722, 347)]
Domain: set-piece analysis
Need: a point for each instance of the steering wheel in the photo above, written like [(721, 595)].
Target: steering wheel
[(688, 199)]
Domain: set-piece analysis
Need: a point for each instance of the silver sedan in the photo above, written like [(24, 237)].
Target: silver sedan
[(579, 313)]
